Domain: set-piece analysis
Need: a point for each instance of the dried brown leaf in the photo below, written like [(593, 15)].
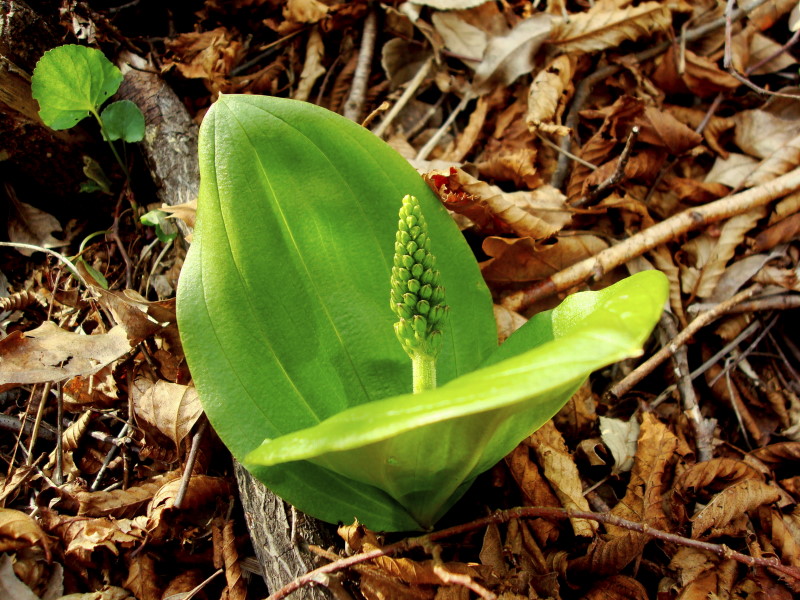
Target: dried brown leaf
[(169, 408), (779, 162), (548, 92), (560, 470), (731, 171), (142, 577), (783, 532), (522, 259), (697, 74), (19, 531), (775, 454), (49, 353), (762, 133), (29, 225), (186, 212), (713, 475), (534, 489), (617, 587), (508, 321), (662, 130), (83, 538), (715, 127), (598, 28), (779, 233), (732, 502), (202, 489), (508, 56), (121, 503), (642, 502), (538, 214)]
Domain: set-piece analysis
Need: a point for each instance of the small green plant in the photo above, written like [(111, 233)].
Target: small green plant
[(282, 308), (72, 82)]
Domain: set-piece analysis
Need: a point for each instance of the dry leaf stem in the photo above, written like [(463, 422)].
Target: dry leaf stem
[(528, 512), (671, 228), (678, 341)]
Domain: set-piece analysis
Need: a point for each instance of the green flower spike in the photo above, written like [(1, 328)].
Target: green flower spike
[(417, 298)]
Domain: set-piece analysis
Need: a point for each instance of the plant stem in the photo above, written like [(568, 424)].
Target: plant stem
[(423, 368), (110, 143)]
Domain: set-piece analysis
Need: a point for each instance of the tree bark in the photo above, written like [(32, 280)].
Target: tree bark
[(271, 521)]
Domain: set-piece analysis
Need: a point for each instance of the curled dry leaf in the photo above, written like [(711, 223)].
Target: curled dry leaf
[(509, 56), (698, 75), (779, 233), (534, 489), (538, 214), (85, 540), (561, 472), (715, 127), (187, 212), (734, 501), (547, 94), (620, 437), (49, 353), (207, 55), (169, 408), (19, 531), (523, 259), (599, 28)]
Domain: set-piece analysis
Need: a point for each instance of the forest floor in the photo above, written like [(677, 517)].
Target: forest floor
[(575, 143)]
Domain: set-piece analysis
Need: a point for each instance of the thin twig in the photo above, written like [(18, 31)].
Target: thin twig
[(703, 319), (431, 144), (61, 258), (408, 93), (616, 176), (190, 461), (354, 105), (526, 513), (703, 428), (669, 229)]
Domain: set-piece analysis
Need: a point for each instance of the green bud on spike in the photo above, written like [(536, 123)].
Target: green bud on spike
[(416, 297)]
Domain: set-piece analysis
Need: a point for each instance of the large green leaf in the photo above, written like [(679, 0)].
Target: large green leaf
[(283, 306), (422, 448), (283, 301)]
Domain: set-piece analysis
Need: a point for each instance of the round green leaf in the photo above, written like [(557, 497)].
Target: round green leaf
[(123, 120), (70, 81)]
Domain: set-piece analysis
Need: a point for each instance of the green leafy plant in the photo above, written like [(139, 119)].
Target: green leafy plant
[(72, 82), (282, 307)]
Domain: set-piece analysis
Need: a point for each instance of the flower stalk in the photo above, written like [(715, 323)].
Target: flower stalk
[(416, 296)]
